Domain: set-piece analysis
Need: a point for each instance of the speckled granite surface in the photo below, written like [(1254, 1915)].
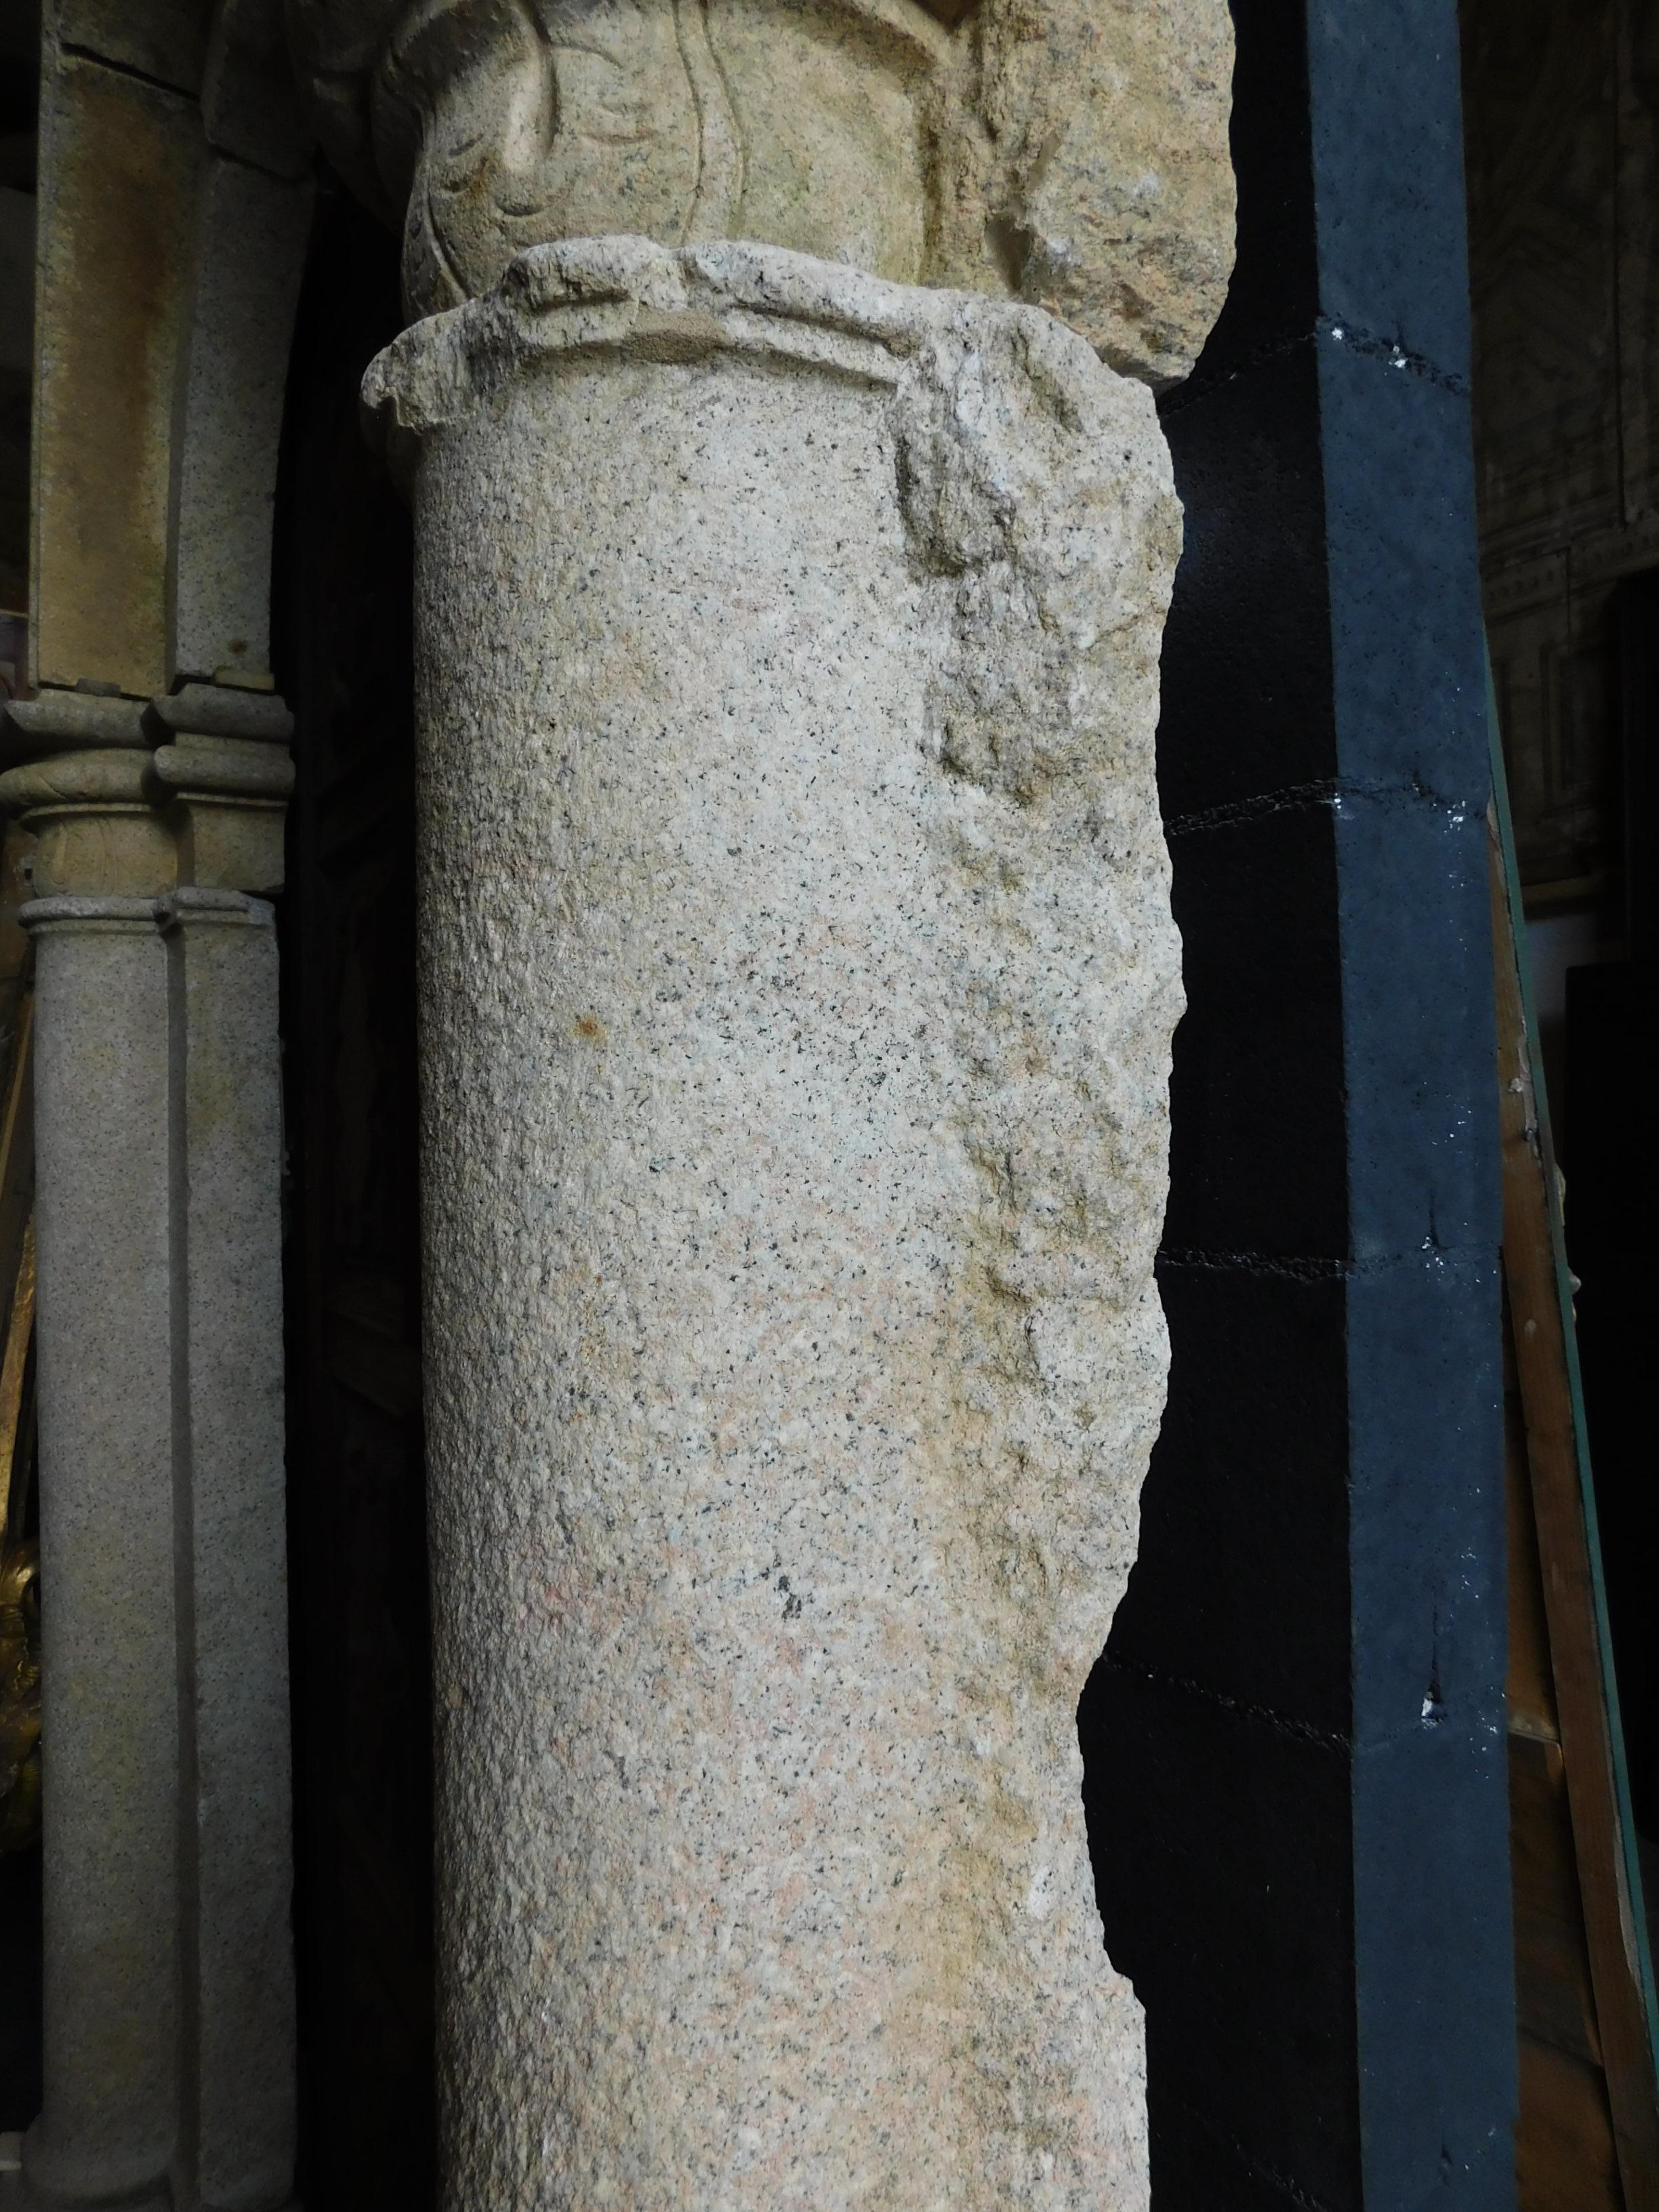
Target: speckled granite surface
[(798, 980)]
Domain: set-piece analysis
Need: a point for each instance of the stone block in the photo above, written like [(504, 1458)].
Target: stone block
[(107, 1547), (120, 165), (166, 39), (222, 955), (252, 249), (1072, 153), (229, 844)]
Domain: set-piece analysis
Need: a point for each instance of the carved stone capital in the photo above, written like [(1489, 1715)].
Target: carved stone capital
[(129, 800), (1069, 153), (797, 979)]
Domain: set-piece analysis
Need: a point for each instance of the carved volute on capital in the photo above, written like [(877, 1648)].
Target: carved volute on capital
[(1073, 153)]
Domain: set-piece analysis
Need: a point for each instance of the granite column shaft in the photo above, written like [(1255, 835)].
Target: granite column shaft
[(168, 1991), (797, 978)]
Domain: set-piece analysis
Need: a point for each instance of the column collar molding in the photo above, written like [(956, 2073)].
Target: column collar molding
[(71, 721), (627, 297), (130, 798), (192, 904), (78, 910)]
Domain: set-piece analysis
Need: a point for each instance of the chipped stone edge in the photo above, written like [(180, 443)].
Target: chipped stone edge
[(628, 296)]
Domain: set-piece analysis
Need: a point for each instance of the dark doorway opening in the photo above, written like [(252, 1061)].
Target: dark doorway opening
[(357, 1527)]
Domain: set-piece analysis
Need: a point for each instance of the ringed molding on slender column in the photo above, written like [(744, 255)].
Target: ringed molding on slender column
[(797, 983)]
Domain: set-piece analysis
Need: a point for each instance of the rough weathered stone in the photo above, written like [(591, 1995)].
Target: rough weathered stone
[(168, 2017), (1089, 174), (227, 1101), (113, 811), (95, 831), (1068, 152), (168, 278), (798, 978), (226, 772), (168, 274)]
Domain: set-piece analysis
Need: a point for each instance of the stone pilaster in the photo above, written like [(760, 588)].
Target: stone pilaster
[(169, 2035), (797, 985), (173, 212)]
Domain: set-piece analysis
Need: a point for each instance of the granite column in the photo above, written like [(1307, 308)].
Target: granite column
[(796, 980), (793, 537)]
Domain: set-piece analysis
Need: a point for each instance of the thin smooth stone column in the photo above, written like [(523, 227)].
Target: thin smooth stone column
[(110, 1691), (226, 1136), (797, 978)]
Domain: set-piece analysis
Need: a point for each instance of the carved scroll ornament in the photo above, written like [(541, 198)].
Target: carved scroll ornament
[(1072, 153)]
